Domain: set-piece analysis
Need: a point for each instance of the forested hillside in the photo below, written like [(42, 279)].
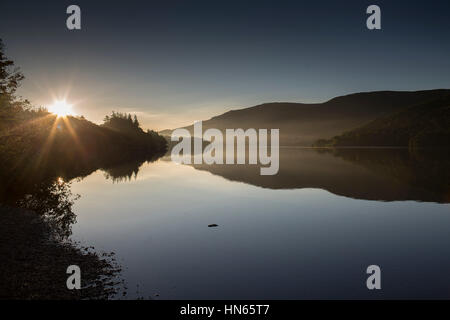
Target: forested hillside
[(421, 125)]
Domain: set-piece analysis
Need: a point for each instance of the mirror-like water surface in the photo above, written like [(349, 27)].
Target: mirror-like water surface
[(309, 232)]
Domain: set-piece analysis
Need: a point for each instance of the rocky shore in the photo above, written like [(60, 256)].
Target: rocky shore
[(34, 262)]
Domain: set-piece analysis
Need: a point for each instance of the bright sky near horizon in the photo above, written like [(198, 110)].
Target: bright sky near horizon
[(171, 63)]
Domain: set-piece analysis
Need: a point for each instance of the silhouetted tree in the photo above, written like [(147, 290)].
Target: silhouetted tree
[(10, 77), (27, 154)]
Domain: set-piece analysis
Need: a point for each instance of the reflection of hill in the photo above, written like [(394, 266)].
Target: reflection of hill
[(425, 170), (387, 175)]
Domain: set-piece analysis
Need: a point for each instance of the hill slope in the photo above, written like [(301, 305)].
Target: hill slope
[(302, 124), (422, 125), (47, 146)]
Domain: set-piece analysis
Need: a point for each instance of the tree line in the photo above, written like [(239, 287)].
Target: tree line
[(35, 143)]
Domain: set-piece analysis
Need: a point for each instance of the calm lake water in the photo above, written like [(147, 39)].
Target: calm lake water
[(308, 232)]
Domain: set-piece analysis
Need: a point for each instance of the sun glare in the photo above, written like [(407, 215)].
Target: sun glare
[(61, 108)]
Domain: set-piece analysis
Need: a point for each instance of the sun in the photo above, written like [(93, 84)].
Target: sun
[(61, 108)]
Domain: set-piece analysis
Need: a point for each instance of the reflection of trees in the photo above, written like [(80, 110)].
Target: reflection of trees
[(124, 172), (40, 235), (44, 243), (424, 169), (53, 200), (364, 173), (127, 171)]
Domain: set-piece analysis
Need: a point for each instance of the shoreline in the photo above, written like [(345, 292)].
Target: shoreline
[(34, 262)]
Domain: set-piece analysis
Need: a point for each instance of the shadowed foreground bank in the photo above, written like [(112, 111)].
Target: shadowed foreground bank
[(34, 262)]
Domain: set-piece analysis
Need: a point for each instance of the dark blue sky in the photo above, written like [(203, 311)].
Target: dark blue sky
[(172, 62)]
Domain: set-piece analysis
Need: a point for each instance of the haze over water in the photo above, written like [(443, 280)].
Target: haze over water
[(309, 232)]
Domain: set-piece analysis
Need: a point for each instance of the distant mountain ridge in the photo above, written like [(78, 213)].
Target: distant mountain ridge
[(302, 124), (422, 125)]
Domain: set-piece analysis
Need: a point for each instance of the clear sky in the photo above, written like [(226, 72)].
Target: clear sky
[(172, 62)]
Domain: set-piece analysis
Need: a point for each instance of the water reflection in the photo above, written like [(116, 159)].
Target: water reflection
[(37, 249), (155, 216), (370, 174), (126, 171), (53, 201), (276, 236), (384, 174), (49, 249)]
